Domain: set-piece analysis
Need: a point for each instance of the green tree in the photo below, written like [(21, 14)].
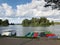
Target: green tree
[(52, 22), (0, 22), (25, 22), (37, 22), (42, 19), (56, 2), (5, 22), (34, 22)]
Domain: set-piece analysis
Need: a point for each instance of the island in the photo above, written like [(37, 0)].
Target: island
[(42, 21)]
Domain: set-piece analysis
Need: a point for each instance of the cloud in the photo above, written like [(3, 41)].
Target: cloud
[(13, 20), (6, 10), (33, 9), (53, 19), (36, 8)]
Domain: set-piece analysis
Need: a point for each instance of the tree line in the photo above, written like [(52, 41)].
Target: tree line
[(4, 23), (37, 22), (56, 2)]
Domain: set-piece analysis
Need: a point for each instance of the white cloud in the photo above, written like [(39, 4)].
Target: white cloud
[(6, 10), (37, 8), (55, 20), (30, 7), (13, 20), (34, 9)]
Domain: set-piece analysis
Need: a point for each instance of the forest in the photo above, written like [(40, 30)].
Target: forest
[(42, 21)]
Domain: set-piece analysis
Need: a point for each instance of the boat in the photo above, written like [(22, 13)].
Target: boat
[(41, 34), (8, 33), (35, 34)]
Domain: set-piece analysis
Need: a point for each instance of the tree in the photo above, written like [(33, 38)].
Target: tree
[(56, 2), (33, 21), (0, 22), (43, 19), (25, 22), (52, 22), (5, 22), (36, 22)]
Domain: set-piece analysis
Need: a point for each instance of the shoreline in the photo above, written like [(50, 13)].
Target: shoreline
[(27, 41)]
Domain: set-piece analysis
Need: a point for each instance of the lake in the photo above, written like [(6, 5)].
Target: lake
[(21, 31)]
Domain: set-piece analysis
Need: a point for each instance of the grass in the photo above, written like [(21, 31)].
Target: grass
[(19, 37)]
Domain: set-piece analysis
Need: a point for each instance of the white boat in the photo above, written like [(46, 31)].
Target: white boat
[(8, 33)]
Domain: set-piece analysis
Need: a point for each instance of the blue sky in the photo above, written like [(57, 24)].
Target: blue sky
[(13, 3), (17, 10)]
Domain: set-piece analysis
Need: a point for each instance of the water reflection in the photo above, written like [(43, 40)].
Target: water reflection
[(21, 31)]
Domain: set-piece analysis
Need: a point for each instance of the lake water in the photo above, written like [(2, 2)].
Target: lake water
[(21, 31)]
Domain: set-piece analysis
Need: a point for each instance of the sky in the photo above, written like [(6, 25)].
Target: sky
[(18, 10)]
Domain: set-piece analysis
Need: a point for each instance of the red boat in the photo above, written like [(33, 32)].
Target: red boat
[(47, 35), (35, 34)]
